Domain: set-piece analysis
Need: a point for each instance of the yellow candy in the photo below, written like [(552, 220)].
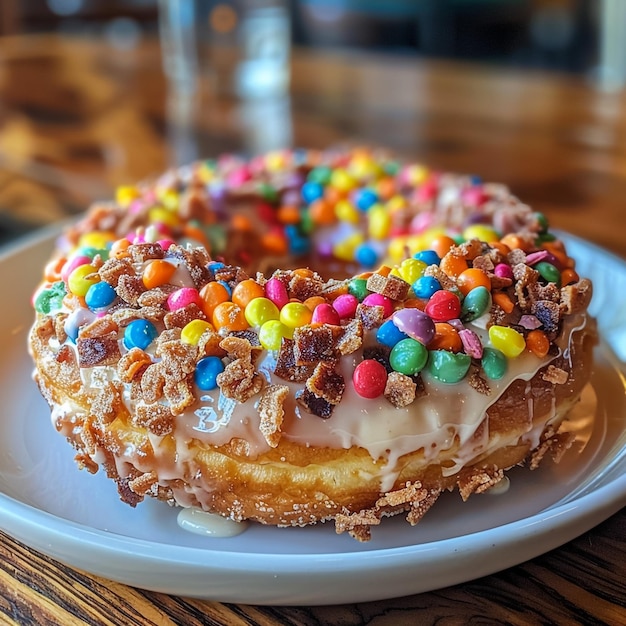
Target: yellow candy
[(344, 250), (364, 167), (417, 174), (170, 199), (162, 216), (379, 222), (395, 203), (96, 239), (482, 232), (82, 278), (271, 334), (397, 248), (192, 332), (125, 194), (342, 180), (507, 340), (411, 270), (295, 315), (347, 212), (206, 173), (260, 310), (275, 161)]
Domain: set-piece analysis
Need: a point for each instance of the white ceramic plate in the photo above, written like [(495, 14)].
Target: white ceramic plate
[(77, 518)]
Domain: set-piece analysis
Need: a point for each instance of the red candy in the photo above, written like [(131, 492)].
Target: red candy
[(443, 306), (369, 379)]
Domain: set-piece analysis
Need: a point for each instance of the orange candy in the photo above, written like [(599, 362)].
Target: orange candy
[(414, 303), (245, 291), (118, 249), (274, 243), (446, 338), (441, 244), (538, 343), (472, 278), (313, 301), (288, 214), (453, 265), (157, 273), (213, 294), (502, 248), (241, 223), (514, 242), (229, 316), (322, 212), (569, 276), (52, 273), (503, 301)]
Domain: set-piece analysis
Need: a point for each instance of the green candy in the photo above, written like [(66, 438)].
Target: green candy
[(542, 220), (448, 367), (92, 252), (306, 223), (476, 302), (320, 175), (357, 287), (549, 272), (50, 299), (216, 234), (268, 192), (408, 357), (494, 363)]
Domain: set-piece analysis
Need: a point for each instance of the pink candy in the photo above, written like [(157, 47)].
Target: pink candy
[(325, 314), (276, 292), (166, 243), (345, 305), (72, 264), (503, 271), (181, 298), (375, 299)]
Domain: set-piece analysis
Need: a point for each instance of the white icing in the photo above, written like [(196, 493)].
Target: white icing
[(200, 522)]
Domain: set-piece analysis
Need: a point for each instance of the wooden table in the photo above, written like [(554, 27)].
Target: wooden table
[(78, 118)]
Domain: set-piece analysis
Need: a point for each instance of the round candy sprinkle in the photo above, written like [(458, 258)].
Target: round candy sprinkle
[(502, 270), (100, 296), (183, 297), (389, 334), (538, 343), (82, 278), (295, 315), (366, 256), (443, 306), (369, 379), (472, 278), (494, 363), (260, 310), (430, 257), (482, 232), (425, 287), (446, 338), (229, 316), (271, 334), (192, 331), (312, 191), (475, 304), (346, 305), (508, 340), (358, 288), (411, 269), (139, 334), (207, 371), (324, 313), (376, 299), (448, 367), (415, 323), (50, 299), (549, 272), (408, 357), (211, 295), (276, 291)]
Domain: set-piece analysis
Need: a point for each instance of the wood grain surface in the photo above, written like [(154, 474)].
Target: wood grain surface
[(78, 117)]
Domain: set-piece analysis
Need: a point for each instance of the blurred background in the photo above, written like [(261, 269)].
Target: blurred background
[(557, 34), (98, 93)]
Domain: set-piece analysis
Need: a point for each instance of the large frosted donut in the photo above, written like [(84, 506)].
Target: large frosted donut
[(311, 336)]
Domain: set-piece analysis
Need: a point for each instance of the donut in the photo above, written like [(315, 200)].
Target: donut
[(309, 336)]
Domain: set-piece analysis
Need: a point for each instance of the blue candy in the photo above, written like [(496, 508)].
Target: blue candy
[(100, 296), (226, 286), (365, 199), (425, 286), (389, 334), (207, 371), (430, 257), (139, 334), (312, 191), (366, 256)]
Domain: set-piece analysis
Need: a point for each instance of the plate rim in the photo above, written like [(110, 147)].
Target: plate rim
[(57, 536)]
